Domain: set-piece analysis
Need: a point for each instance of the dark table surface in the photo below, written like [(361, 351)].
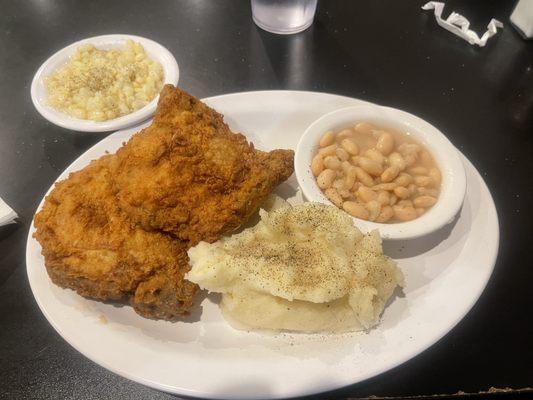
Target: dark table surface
[(388, 52)]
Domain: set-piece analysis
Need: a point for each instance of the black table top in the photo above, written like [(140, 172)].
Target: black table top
[(388, 52)]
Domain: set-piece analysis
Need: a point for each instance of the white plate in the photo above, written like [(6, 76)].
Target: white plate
[(445, 274), (39, 94)]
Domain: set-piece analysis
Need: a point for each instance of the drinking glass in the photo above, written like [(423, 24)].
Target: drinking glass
[(283, 16)]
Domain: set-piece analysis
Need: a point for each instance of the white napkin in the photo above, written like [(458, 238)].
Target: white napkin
[(7, 215), (458, 25)]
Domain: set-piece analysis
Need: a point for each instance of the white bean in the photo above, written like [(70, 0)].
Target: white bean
[(370, 166), (351, 175), (364, 127), (428, 192), (366, 194), (404, 213), (350, 146), (385, 186), (383, 197), (402, 192), (385, 143), (404, 179), (328, 139), (344, 134), (410, 159), (346, 166), (385, 214), (339, 184), (365, 178), (390, 173), (317, 165), (325, 179), (405, 203), (397, 159), (345, 194), (409, 148), (375, 155), (420, 211), (418, 171), (423, 180), (424, 201), (373, 207), (356, 210), (332, 162), (342, 154), (334, 196), (393, 200), (328, 150)]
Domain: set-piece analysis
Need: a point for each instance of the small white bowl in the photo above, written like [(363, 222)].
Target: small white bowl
[(39, 93), (453, 187)]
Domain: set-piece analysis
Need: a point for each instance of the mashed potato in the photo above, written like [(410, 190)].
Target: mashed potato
[(301, 268)]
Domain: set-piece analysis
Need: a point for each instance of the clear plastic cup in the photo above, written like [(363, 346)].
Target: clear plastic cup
[(283, 16)]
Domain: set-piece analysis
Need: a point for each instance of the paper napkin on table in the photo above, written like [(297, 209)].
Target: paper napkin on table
[(7, 215), (459, 25)]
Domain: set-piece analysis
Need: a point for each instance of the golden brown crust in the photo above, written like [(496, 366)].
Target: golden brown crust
[(119, 229), (90, 246), (200, 180)]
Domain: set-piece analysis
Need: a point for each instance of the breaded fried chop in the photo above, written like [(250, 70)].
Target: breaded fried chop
[(191, 176), (119, 229)]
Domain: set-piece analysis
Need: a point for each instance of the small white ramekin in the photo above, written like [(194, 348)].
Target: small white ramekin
[(453, 187), (39, 94)]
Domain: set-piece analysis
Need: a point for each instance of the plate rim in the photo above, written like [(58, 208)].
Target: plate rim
[(324, 387)]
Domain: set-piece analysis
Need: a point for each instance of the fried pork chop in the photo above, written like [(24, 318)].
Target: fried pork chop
[(119, 229)]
